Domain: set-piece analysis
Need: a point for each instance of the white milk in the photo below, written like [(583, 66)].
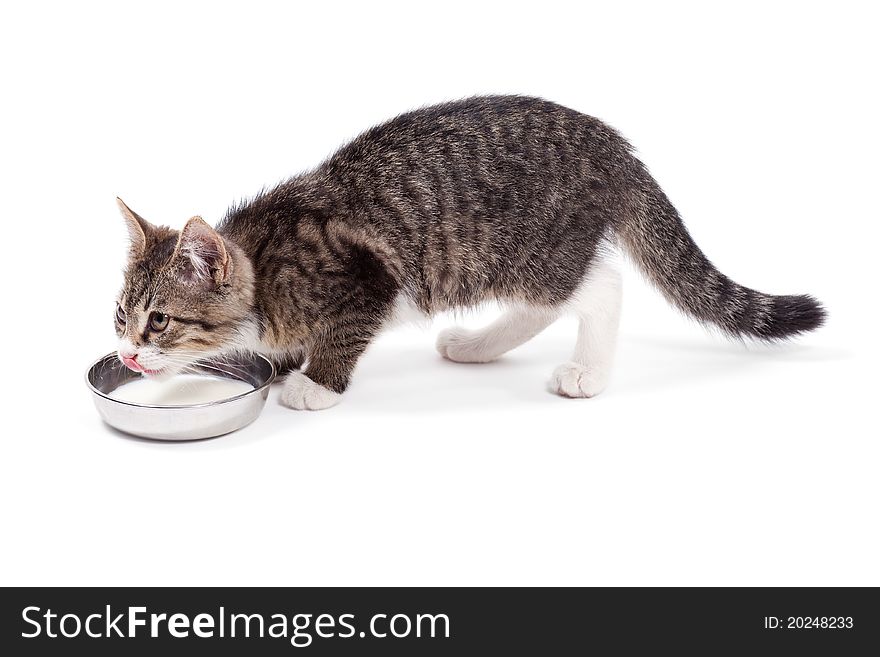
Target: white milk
[(179, 390)]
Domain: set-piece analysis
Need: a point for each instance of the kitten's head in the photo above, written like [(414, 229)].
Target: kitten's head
[(187, 295)]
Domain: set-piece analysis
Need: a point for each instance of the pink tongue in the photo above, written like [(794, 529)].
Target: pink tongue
[(132, 364)]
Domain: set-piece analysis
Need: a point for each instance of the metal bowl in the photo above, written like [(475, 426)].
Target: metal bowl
[(191, 422)]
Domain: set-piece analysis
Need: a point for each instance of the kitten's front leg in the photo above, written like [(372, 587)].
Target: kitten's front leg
[(301, 393), (286, 363), (331, 362)]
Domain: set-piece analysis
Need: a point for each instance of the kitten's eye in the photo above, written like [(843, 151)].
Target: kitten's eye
[(158, 321), (120, 314)]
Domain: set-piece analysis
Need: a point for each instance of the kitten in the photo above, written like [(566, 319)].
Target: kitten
[(502, 198)]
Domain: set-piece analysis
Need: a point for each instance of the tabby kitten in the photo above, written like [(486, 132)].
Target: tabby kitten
[(502, 198)]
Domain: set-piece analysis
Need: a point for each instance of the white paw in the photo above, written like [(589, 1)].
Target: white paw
[(576, 380), (463, 346), (303, 394)]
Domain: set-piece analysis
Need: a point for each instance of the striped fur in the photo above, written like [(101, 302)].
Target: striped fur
[(502, 198)]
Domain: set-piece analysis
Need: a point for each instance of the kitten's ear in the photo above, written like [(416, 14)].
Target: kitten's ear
[(138, 229), (203, 253)]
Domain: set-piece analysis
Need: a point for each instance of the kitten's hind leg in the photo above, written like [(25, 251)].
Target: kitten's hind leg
[(515, 327), (597, 306)]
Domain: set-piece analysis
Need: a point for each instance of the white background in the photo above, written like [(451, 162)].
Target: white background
[(705, 462)]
